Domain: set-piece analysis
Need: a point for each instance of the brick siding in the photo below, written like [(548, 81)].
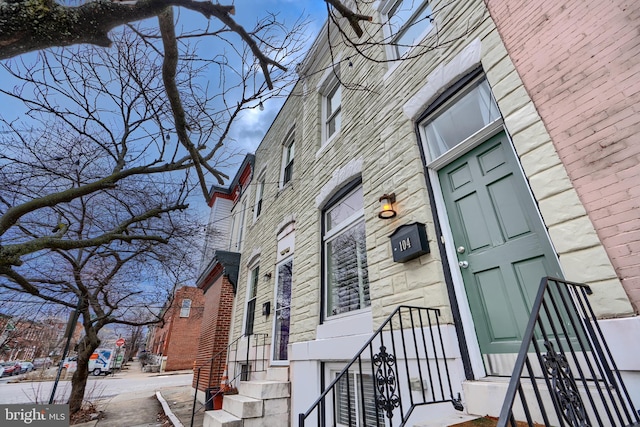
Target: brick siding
[(182, 333), (579, 61), (214, 336)]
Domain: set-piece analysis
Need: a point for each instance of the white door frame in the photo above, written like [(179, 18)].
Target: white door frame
[(275, 313)]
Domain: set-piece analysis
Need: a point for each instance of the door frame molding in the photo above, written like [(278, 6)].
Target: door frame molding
[(453, 277), (272, 360), (447, 247)]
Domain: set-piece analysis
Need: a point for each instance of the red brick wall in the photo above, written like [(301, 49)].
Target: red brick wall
[(580, 63), (181, 343), (214, 337)]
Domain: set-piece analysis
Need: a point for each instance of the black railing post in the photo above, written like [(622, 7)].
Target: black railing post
[(217, 364), (195, 396), (389, 379), (563, 322)]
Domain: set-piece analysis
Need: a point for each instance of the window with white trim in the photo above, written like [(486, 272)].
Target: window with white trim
[(240, 232), (345, 255), (332, 109), (330, 91), (257, 208), (288, 154), (355, 401), (460, 118), (407, 23), (252, 295), (185, 308)]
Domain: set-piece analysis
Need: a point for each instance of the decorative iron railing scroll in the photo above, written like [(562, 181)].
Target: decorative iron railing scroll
[(565, 374)]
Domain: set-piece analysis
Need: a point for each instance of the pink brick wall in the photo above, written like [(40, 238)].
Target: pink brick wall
[(580, 63)]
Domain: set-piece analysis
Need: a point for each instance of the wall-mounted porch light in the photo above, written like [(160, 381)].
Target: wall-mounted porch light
[(386, 206)]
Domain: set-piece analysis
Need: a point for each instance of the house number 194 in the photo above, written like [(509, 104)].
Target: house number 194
[(404, 244)]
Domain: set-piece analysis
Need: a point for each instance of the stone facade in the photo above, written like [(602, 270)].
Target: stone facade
[(382, 104)]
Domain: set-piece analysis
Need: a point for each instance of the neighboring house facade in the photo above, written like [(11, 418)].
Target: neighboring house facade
[(176, 340), (218, 275), (480, 134), (23, 339)]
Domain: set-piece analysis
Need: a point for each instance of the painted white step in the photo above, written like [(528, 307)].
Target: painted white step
[(242, 406), (277, 406), (220, 418), (258, 376), (264, 389), (278, 374), (485, 397), (279, 420)]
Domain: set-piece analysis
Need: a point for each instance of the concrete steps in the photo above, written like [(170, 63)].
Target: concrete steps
[(263, 402), (264, 389)]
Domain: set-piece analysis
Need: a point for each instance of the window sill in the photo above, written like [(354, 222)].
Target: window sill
[(353, 323), (325, 146), (284, 187)]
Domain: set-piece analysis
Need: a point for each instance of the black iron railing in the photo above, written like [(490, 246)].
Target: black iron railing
[(249, 355), (564, 373), (402, 366)]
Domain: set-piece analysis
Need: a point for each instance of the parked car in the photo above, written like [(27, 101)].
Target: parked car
[(10, 368), (26, 367), (42, 362), (1, 370)]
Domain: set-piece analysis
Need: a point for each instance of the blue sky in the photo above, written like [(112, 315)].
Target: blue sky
[(249, 130), (253, 125)]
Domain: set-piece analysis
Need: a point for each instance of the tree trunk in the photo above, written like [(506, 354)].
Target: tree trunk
[(79, 380)]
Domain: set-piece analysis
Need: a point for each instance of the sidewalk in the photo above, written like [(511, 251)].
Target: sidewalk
[(148, 409), (178, 404), (128, 410)]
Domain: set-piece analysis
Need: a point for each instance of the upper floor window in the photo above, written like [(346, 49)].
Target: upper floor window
[(345, 255), (408, 22), (237, 227), (257, 209), (333, 101), (288, 152), (330, 90), (185, 308), (243, 210)]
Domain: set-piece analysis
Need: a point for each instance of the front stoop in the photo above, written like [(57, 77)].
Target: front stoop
[(264, 389), (259, 403), (242, 406), (220, 418)]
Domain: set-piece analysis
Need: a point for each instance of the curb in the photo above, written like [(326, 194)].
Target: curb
[(167, 410)]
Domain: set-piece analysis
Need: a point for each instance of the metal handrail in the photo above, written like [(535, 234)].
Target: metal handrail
[(570, 370), (222, 358), (419, 357)]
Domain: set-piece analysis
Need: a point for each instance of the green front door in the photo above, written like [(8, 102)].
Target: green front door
[(502, 246)]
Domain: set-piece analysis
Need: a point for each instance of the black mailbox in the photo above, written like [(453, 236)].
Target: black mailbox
[(409, 241)]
